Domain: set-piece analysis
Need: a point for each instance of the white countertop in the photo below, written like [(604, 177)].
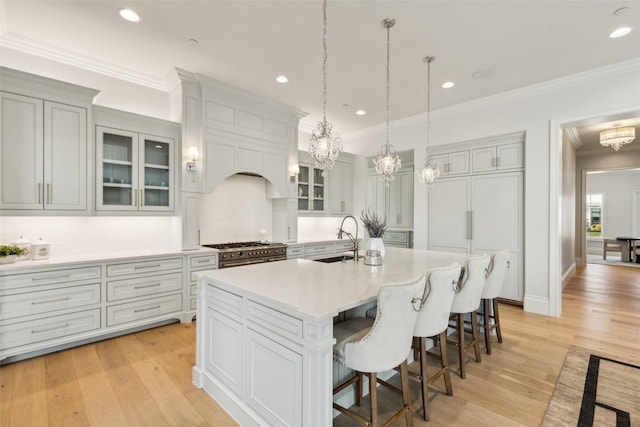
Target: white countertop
[(317, 290), (55, 261)]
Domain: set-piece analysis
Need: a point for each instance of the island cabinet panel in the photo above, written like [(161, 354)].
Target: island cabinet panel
[(274, 321), (223, 357), (274, 388)]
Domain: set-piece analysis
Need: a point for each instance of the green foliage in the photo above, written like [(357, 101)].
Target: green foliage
[(375, 224), (6, 250)]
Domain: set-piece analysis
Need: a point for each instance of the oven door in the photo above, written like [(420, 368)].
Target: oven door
[(240, 263)]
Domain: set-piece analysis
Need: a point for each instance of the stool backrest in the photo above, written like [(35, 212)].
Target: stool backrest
[(469, 294), (388, 342), (500, 263), (436, 302)]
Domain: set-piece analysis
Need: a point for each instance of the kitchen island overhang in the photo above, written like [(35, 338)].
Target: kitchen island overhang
[(264, 339)]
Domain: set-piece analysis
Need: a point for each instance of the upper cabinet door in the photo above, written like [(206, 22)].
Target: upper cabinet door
[(65, 157), (156, 173), (116, 169), (21, 152), (341, 178)]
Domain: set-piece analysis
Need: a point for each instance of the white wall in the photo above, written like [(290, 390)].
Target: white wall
[(617, 188), (539, 111), (568, 215)]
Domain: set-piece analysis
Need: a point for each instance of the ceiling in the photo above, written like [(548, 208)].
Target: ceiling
[(248, 43)]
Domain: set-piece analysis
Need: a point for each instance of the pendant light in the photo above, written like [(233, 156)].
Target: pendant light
[(325, 147), (429, 172), (387, 161)]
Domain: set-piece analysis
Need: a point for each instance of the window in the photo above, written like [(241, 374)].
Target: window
[(594, 216)]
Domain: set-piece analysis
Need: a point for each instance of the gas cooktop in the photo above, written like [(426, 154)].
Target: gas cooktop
[(242, 245)]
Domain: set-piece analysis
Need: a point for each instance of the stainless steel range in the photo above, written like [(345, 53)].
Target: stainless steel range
[(244, 253)]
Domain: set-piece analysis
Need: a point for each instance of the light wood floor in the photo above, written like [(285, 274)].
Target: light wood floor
[(144, 379)]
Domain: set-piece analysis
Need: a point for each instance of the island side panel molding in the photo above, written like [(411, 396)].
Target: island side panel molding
[(318, 373)]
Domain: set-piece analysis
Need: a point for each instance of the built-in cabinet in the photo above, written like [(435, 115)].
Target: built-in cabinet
[(135, 170), (44, 149), (393, 201), (325, 195), (454, 163), (47, 307), (483, 212)]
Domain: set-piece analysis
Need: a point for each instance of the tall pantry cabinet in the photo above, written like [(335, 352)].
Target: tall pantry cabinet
[(43, 145), (482, 212)]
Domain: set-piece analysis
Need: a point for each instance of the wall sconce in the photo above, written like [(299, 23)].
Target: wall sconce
[(294, 170), (192, 166)]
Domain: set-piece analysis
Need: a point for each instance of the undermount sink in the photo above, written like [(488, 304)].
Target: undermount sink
[(335, 258)]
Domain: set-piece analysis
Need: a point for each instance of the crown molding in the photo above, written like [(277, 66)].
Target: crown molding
[(523, 92), (53, 53), (574, 137)]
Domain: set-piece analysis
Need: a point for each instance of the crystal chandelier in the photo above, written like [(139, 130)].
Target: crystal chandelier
[(387, 161), (618, 136), (429, 172), (325, 147)]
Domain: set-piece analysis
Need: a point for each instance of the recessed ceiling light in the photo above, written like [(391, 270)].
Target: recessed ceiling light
[(129, 15), (361, 112), (619, 32), (448, 85), (282, 79)]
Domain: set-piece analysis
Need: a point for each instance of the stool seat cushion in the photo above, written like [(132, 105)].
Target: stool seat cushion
[(350, 330)]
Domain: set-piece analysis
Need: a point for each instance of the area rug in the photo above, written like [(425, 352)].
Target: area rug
[(593, 390)]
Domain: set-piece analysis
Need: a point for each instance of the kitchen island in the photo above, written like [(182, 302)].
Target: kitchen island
[(265, 331)]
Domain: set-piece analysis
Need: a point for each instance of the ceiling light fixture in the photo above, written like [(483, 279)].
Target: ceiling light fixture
[(361, 112), (129, 15), (429, 172), (325, 147), (282, 79), (617, 136), (387, 162), (619, 32), (447, 85)]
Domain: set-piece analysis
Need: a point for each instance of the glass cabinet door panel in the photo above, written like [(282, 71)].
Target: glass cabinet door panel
[(156, 177), (117, 168), (155, 197), (303, 188)]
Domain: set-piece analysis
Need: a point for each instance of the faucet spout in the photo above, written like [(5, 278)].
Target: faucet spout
[(354, 240)]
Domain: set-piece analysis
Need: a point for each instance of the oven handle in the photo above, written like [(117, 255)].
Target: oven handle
[(240, 263)]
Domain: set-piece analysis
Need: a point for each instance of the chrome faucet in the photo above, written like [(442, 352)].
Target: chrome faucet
[(350, 236)]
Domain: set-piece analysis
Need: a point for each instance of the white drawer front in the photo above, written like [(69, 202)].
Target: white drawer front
[(46, 301), (395, 237), (344, 246), (209, 261), (224, 301), (139, 310), (295, 252), (49, 277), (193, 289), (49, 328), (318, 249), (274, 321), (150, 266), (193, 303), (150, 285)]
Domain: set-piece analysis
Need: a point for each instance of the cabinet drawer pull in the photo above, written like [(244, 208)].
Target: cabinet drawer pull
[(146, 286), (34, 331), (34, 279), (202, 261), (39, 192), (138, 267), (137, 310), (49, 301)]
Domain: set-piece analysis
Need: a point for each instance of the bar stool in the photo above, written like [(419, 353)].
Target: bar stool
[(467, 301), (500, 262), (369, 346), (433, 320)]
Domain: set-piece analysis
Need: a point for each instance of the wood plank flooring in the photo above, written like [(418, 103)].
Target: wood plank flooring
[(144, 379)]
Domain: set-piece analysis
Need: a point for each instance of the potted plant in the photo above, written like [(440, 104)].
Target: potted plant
[(9, 253), (375, 225)]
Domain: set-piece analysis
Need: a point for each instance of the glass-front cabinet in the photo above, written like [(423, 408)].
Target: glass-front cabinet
[(311, 190), (135, 171)]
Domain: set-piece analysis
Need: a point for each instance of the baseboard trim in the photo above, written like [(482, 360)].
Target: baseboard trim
[(568, 274), (537, 305)]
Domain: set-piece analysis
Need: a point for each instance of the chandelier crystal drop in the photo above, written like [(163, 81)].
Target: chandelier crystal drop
[(325, 146), (618, 136), (387, 162), (429, 172)]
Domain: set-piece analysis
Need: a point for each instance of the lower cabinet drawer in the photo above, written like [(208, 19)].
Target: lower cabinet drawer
[(395, 237), (149, 266), (274, 321), (48, 328), (140, 310), (50, 300), (152, 285)]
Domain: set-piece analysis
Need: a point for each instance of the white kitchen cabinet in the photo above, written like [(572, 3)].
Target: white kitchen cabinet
[(134, 171), (395, 201), (341, 188), (43, 155), (312, 190), (501, 157), (398, 238), (481, 214), (454, 163), (197, 263)]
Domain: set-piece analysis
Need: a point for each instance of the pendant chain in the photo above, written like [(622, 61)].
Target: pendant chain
[(324, 62)]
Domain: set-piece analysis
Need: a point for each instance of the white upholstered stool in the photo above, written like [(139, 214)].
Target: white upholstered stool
[(467, 300), (500, 263), (370, 346)]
